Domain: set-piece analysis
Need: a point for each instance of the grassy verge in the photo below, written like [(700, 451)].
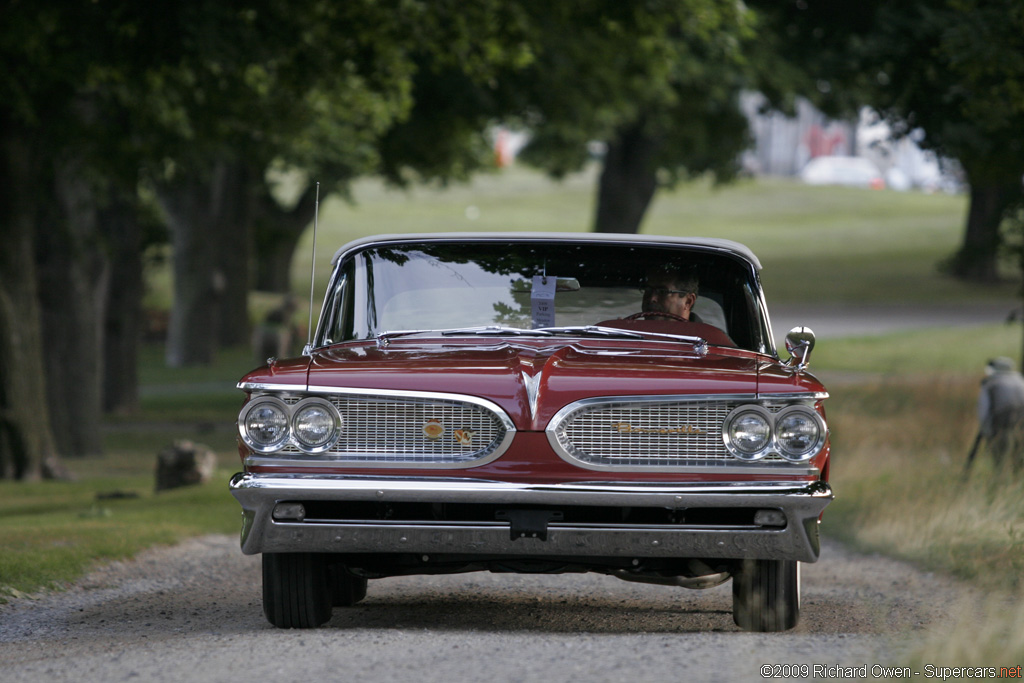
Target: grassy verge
[(903, 417), (53, 532)]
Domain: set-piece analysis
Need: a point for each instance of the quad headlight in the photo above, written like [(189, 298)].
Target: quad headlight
[(268, 424), (748, 432), (751, 432), (315, 425)]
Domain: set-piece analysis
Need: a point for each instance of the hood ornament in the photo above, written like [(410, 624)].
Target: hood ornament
[(532, 384)]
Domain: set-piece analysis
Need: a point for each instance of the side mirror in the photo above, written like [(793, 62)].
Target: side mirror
[(799, 344)]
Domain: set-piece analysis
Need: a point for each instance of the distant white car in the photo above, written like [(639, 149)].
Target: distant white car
[(848, 171)]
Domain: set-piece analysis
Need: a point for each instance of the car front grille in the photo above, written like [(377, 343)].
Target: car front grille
[(414, 431), (642, 434)]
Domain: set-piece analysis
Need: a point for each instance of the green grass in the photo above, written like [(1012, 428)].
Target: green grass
[(53, 531), (916, 352)]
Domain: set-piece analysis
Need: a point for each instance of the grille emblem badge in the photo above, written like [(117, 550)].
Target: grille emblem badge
[(433, 429), (627, 428)]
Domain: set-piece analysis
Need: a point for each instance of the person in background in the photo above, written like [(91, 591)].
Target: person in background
[(1001, 413), (275, 336)]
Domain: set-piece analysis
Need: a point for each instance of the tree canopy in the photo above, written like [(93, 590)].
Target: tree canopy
[(953, 69), (122, 123)]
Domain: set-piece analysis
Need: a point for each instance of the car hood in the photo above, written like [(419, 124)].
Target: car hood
[(532, 379)]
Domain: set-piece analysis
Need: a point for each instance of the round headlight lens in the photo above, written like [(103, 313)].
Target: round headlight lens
[(264, 424), (799, 433), (748, 432), (315, 424)]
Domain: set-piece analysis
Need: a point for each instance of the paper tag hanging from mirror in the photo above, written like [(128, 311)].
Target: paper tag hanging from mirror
[(542, 301)]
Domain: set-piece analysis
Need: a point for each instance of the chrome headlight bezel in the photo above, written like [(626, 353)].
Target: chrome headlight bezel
[(291, 434), (812, 418), (758, 414), (243, 424), (774, 443), (333, 416)]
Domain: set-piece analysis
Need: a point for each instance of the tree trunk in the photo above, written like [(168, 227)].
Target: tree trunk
[(990, 200), (209, 224), (73, 272), (232, 221), (628, 181), (27, 448), (276, 234), (123, 323), (191, 334)]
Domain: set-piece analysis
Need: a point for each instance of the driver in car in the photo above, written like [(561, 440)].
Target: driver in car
[(672, 291)]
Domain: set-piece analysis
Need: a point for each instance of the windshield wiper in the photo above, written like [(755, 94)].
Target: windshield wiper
[(496, 330), (699, 343), (593, 331), (384, 338)]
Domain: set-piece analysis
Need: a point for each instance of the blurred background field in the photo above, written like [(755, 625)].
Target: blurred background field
[(901, 408)]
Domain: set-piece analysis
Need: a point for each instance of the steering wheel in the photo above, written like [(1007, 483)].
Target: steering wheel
[(656, 314)]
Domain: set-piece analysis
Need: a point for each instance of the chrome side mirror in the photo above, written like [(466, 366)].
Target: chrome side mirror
[(799, 344)]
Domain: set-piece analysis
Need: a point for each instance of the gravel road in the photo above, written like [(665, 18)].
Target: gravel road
[(192, 613)]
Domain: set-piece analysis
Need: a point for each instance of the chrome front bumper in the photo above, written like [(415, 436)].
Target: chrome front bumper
[(797, 540)]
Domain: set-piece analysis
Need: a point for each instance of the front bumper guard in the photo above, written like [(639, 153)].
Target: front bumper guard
[(798, 540)]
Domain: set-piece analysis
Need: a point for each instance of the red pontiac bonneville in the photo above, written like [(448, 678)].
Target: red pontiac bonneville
[(536, 403)]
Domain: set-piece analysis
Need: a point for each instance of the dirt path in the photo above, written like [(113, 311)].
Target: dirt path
[(192, 613)]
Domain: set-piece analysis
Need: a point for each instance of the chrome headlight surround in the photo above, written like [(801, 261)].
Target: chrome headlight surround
[(256, 415), (329, 424), (747, 432), (800, 433), (269, 412), (797, 433)]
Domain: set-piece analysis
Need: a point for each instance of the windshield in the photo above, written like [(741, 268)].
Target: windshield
[(527, 286)]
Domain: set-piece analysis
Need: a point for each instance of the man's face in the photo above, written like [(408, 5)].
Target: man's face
[(663, 295)]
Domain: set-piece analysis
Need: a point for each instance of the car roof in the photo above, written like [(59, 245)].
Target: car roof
[(706, 243)]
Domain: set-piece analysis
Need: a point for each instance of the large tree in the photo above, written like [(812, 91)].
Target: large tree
[(198, 99), (953, 68), (319, 93), (656, 82), (53, 251)]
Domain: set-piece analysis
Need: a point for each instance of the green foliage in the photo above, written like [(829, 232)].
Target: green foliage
[(673, 68)]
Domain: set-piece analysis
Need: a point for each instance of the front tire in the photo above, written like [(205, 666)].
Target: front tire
[(296, 590), (766, 595)]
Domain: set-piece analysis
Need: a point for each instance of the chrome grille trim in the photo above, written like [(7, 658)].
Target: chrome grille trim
[(385, 428), (660, 433)]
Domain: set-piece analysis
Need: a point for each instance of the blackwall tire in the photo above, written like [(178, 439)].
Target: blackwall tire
[(296, 590), (766, 595)]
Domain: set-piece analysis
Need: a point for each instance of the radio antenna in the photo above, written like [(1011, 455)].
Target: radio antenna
[(312, 274)]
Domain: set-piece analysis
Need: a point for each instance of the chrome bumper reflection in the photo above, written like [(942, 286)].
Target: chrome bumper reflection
[(798, 540)]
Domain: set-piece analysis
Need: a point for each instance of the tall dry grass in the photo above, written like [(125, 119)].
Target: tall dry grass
[(901, 448), (901, 444)]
